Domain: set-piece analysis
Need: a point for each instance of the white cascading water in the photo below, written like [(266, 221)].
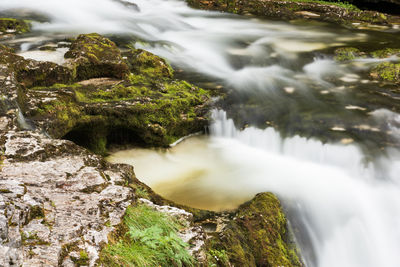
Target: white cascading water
[(351, 216), (348, 209)]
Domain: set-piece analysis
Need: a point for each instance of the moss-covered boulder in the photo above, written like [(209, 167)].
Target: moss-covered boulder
[(125, 112), (145, 63), (93, 56), (34, 73), (256, 236), (14, 25), (387, 71), (347, 54), (385, 53)]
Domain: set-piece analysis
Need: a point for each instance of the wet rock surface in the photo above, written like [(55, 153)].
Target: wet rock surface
[(59, 203), (56, 195), (330, 12)]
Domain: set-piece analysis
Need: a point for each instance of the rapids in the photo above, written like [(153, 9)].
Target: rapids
[(341, 195)]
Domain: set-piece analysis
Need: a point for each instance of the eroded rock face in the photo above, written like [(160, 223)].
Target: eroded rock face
[(57, 200)]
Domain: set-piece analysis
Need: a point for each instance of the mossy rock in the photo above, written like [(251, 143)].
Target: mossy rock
[(331, 11), (93, 56), (32, 73), (256, 236), (137, 113), (14, 25), (146, 108), (387, 71), (385, 53), (145, 63), (347, 54)]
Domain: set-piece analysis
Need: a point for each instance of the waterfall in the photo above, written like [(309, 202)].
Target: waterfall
[(349, 214)]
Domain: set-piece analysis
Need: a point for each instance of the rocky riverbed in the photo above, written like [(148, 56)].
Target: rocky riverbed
[(62, 204)]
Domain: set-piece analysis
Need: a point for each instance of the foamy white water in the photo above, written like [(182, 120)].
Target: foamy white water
[(206, 42), (350, 212)]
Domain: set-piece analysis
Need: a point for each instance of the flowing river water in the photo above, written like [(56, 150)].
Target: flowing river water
[(319, 134)]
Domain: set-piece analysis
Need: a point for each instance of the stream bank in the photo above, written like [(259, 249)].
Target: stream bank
[(61, 204)]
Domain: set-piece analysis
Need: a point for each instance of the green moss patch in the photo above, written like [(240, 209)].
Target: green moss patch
[(147, 238), (92, 56), (257, 236), (17, 25), (387, 71), (147, 64), (347, 54), (387, 52)]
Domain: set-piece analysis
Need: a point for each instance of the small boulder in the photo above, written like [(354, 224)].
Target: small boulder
[(387, 71), (148, 64), (94, 56), (347, 53)]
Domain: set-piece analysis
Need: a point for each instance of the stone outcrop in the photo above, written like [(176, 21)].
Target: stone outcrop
[(324, 11), (135, 99), (58, 202)]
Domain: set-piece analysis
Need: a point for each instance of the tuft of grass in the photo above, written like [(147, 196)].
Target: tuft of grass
[(151, 239)]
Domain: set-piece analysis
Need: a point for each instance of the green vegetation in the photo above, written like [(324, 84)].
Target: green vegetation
[(83, 259), (18, 25), (217, 258), (387, 52), (150, 239), (387, 71), (147, 64), (347, 54), (248, 240), (93, 56)]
